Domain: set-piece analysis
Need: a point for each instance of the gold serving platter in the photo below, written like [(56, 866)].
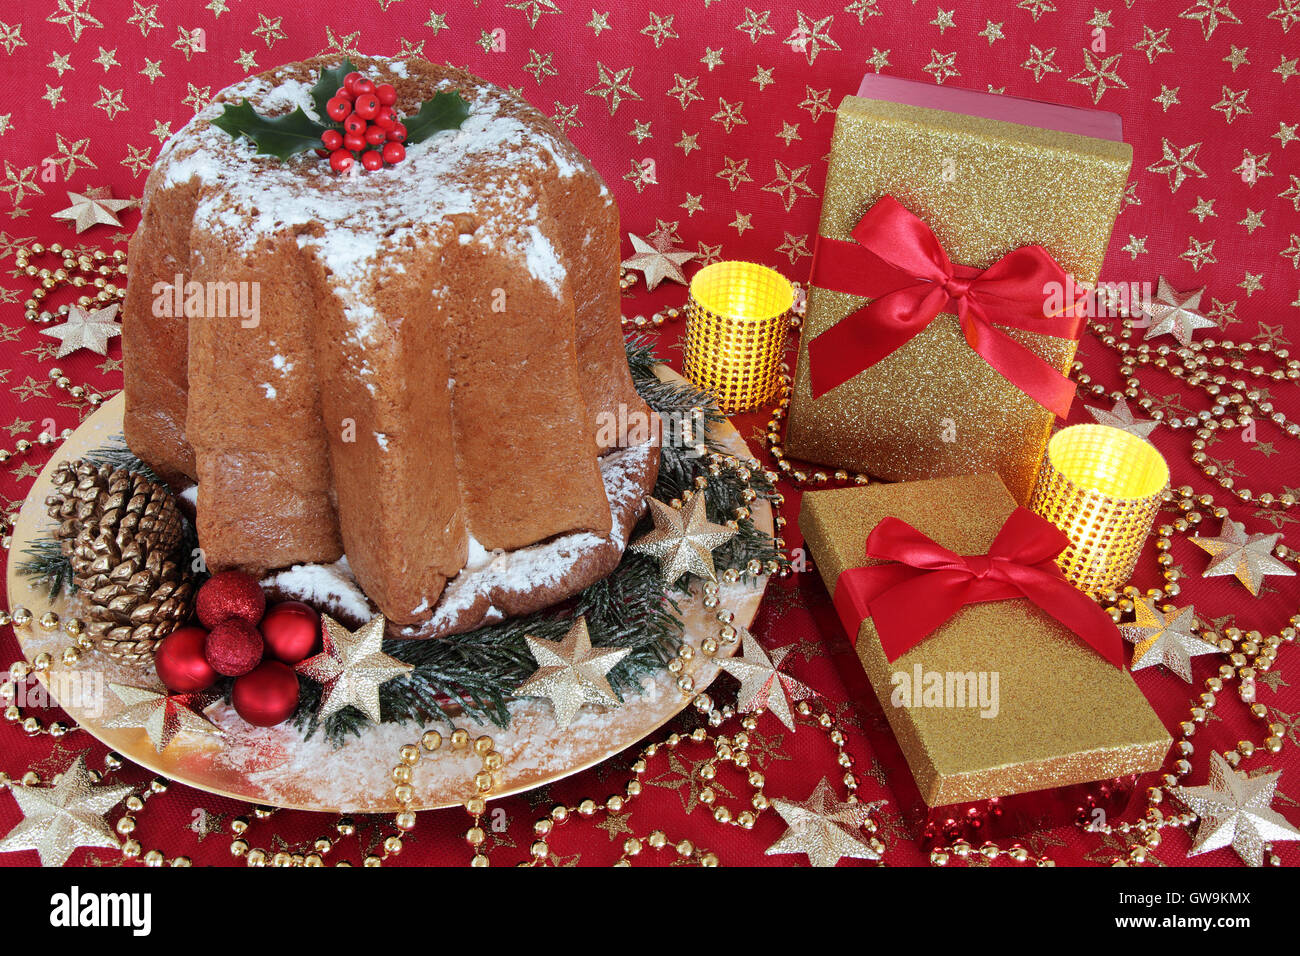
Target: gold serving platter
[(276, 766)]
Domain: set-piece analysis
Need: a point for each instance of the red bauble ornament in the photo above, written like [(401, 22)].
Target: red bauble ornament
[(230, 594), (266, 695), (180, 662), (233, 647), (292, 631)]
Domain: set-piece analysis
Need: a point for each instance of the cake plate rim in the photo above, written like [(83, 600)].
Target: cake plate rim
[(205, 763)]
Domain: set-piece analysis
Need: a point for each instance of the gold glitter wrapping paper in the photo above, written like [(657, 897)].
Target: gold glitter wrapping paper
[(1010, 186), (1065, 716)]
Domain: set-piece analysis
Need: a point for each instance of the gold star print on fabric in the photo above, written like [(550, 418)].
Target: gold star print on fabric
[(683, 540), (59, 818), (1247, 557), (571, 673), (352, 667), (824, 829), (1235, 810)]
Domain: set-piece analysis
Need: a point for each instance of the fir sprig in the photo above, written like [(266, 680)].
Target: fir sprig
[(47, 563)]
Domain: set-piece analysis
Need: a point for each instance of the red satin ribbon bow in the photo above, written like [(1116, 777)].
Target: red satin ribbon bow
[(927, 584), (897, 261)]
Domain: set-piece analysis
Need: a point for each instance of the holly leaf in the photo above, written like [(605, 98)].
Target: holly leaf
[(278, 136), (444, 111), (327, 84)]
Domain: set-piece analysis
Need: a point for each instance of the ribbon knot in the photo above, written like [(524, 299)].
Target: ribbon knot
[(980, 565), (923, 584), (957, 288), (896, 260)]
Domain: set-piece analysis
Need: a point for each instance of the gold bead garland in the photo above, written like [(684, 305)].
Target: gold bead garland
[(733, 749), (22, 447), (78, 270), (1234, 402)]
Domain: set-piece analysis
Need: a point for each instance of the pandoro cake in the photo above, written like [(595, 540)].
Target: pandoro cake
[(436, 343)]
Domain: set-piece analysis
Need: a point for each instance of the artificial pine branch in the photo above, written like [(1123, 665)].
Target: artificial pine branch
[(47, 563)]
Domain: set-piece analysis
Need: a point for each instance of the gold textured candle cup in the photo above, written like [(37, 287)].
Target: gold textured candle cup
[(737, 317), (1102, 487)]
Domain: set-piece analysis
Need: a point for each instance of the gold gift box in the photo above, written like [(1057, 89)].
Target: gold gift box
[(985, 187), (1065, 715)]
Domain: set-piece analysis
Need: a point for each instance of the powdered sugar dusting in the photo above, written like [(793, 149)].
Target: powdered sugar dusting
[(352, 222), (330, 586)]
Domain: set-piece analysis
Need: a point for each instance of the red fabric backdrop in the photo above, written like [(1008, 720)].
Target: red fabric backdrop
[(734, 104)]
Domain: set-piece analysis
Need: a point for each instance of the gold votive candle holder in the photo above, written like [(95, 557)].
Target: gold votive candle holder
[(1102, 487), (737, 317)]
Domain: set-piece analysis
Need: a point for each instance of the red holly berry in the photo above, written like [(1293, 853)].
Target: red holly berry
[(354, 123), (322, 153), (350, 82), (397, 134), (385, 119), (344, 93), (374, 136), (387, 93), (367, 106), (363, 87), (371, 159), (394, 153), (354, 142), (332, 139), (338, 109), (341, 160)]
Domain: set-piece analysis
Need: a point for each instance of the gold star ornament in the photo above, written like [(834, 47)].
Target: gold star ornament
[(352, 667), (1174, 313), (1168, 639), (163, 716), (59, 818), (1121, 417), (658, 263), (1247, 557), (825, 830), (95, 208), (85, 330), (571, 673), (683, 540), (762, 685), (1235, 810)]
